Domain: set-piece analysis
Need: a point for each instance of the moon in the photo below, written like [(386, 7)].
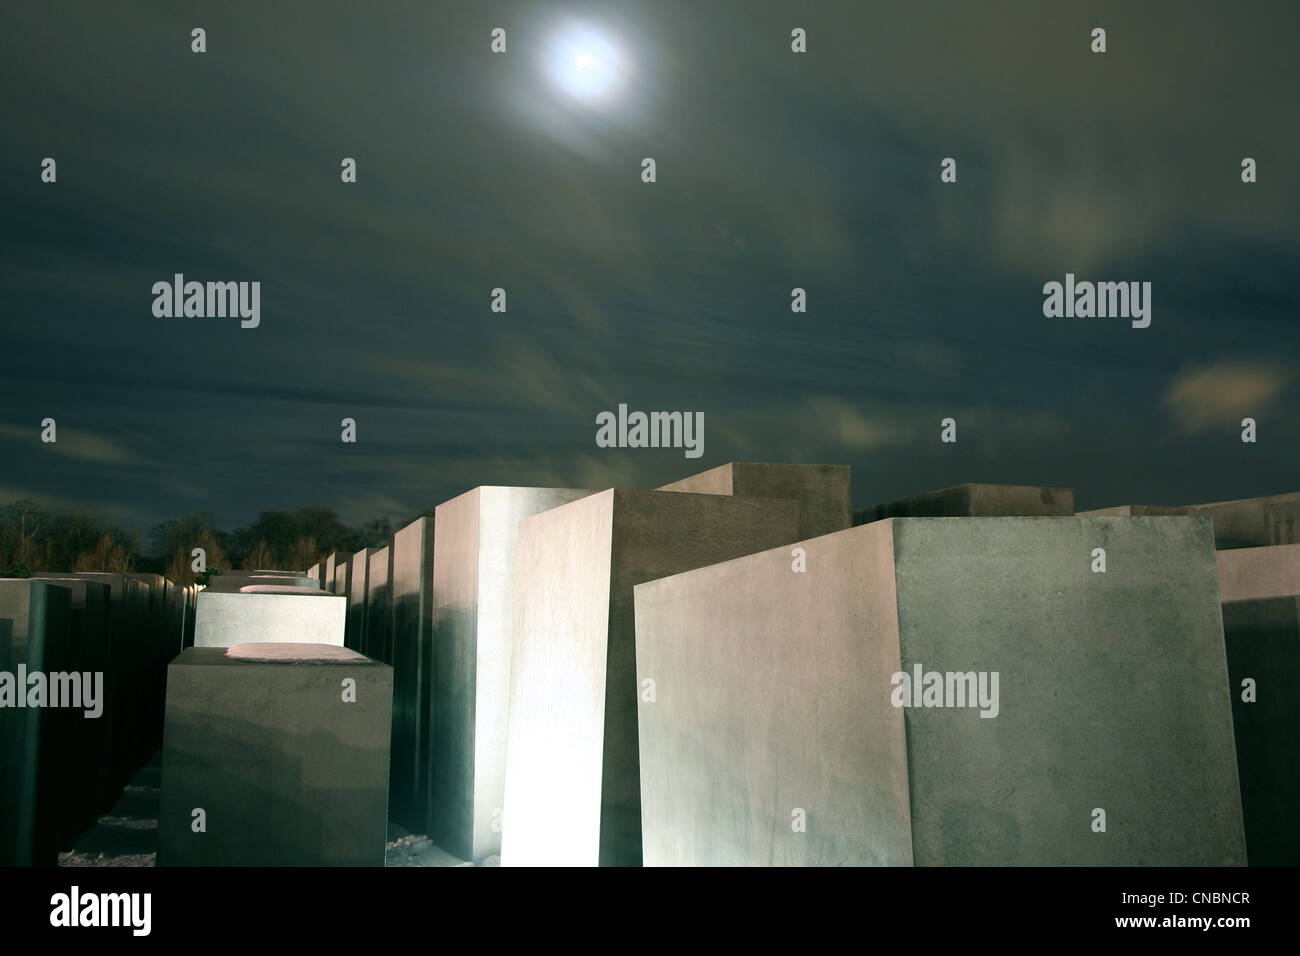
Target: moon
[(587, 65)]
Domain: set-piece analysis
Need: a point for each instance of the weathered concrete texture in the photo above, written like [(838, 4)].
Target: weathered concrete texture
[(223, 620), (473, 597), (1260, 588), (287, 770), (572, 792), (824, 492), (773, 703), (1133, 511), (1248, 574), (1254, 522), (343, 576), (35, 743), (359, 587), (974, 501), (1243, 523), (412, 645), (379, 607)]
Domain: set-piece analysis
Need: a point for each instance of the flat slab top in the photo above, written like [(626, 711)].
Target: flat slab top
[(294, 653), (280, 589)]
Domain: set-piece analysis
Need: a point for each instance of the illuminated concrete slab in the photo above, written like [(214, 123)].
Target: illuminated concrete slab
[(234, 580), (412, 644), (286, 757), (1260, 588), (824, 492), (224, 619), (975, 501), (359, 587), (572, 791), (328, 572), (774, 738), (35, 741), (473, 598)]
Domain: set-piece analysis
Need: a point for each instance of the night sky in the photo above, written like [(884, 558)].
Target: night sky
[(775, 170)]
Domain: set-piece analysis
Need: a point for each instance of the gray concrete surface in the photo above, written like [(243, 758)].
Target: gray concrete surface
[(474, 596), (1249, 574), (974, 501), (1240, 523), (287, 772), (225, 619), (412, 644), (379, 606), (1260, 588), (824, 492), (355, 633), (232, 581), (35, 743), (774, 695), (572, 791)]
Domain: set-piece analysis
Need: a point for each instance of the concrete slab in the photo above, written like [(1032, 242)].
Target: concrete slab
[(276, 589), (1260, 588), (1253, 522), (35, 742), (138, 671), (234, 580), (225, 619), (359, 587), (473, 597), (572, 792), (774, 737), (286, 769), (412, 589), (974, 501), (1251, 574), (343, 576), (379, 606), (824, 492), (95, 782), (1241, 523)]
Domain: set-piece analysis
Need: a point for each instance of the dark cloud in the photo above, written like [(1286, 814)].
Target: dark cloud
[(775, 171)]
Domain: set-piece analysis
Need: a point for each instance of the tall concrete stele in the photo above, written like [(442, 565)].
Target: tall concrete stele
[(412, 660), (572, 788), (1260, 588), (824, 492), (474, 597), (780, 733)]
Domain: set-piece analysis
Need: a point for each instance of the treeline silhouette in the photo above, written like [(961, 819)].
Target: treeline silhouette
[(34, 541)]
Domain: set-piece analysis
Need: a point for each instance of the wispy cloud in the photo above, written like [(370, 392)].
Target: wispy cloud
[(82, 445), (1224, 393)]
